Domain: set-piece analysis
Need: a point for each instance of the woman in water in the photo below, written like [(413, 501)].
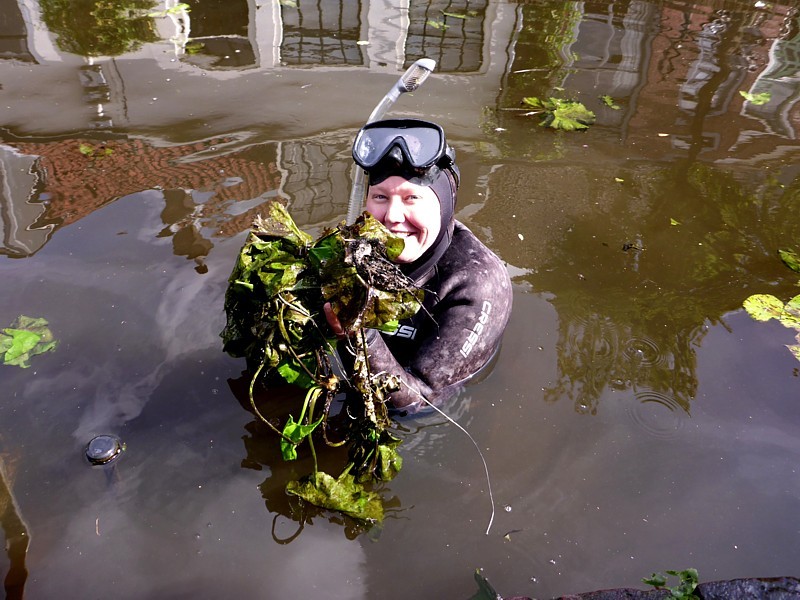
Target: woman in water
[(413, 182)]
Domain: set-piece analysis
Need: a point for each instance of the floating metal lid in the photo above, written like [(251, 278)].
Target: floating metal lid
[(103, 449)]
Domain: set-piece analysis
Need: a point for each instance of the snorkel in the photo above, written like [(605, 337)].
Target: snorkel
[(411, 80)]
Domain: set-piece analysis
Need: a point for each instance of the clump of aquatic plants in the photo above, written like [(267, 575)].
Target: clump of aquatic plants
[(687, 583), (764, 307), (25, 338), (558, 113), (275, 319)]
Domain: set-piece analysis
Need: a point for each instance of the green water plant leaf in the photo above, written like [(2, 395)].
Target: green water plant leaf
[(27, 337), (296, 434), (757, 99), (791, 259), (275, 318), (343, 494), (557, 113), (687, 583), (790, 316), (609, 102), (763, 307), (437, 24)]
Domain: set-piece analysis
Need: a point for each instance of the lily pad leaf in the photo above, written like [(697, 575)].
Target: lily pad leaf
[(763, 307), (790, 259), (343, 494), (790, 317)]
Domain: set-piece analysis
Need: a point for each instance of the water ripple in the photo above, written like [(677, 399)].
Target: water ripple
[(643, 351), (658, 414)]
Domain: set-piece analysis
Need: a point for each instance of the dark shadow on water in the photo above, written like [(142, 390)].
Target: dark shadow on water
[(17, 538)]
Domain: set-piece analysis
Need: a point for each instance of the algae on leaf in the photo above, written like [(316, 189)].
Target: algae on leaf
[(343, 494), (27, 337)]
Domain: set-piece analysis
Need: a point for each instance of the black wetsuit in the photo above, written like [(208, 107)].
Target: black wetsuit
[(466, 308)]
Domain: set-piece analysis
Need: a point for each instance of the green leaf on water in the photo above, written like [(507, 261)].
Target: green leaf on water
[(688, 579), (790, 316), (455, 15), (86, 149), (609, 102), (674, 222), (763, 307), (27, 337), (556, 113), (289, 3), (757, 99), (21, 342), (657, 580), (438, 24), (343, 494), (297, 433), (790, 259)]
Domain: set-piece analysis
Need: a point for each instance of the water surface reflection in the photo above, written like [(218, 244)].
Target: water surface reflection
[(632, 400)]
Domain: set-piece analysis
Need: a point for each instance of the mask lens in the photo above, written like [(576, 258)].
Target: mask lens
[(421, 146)]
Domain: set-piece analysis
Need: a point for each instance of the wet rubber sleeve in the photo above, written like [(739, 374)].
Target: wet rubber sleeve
[(473, 302)]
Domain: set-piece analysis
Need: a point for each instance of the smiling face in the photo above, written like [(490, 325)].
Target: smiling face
[(409, 211)]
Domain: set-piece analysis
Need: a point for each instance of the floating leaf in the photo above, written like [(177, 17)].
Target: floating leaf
[(86, 149), (657, 580), (790, 259), (556, 113), (288, 3), (27, 337), (609, 102), (757, 99), (674, 222), (455, 15), (343, 494), (619, 180), (437, 24), (790, 317), (763, 307)]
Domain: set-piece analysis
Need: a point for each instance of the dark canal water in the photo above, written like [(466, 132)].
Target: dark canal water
[(636, 420)]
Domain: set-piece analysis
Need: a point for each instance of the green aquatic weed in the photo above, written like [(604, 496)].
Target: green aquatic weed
[(274, 306), (27, 337), (687, 578), (764, 307), (757, 99), (557, 113)]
